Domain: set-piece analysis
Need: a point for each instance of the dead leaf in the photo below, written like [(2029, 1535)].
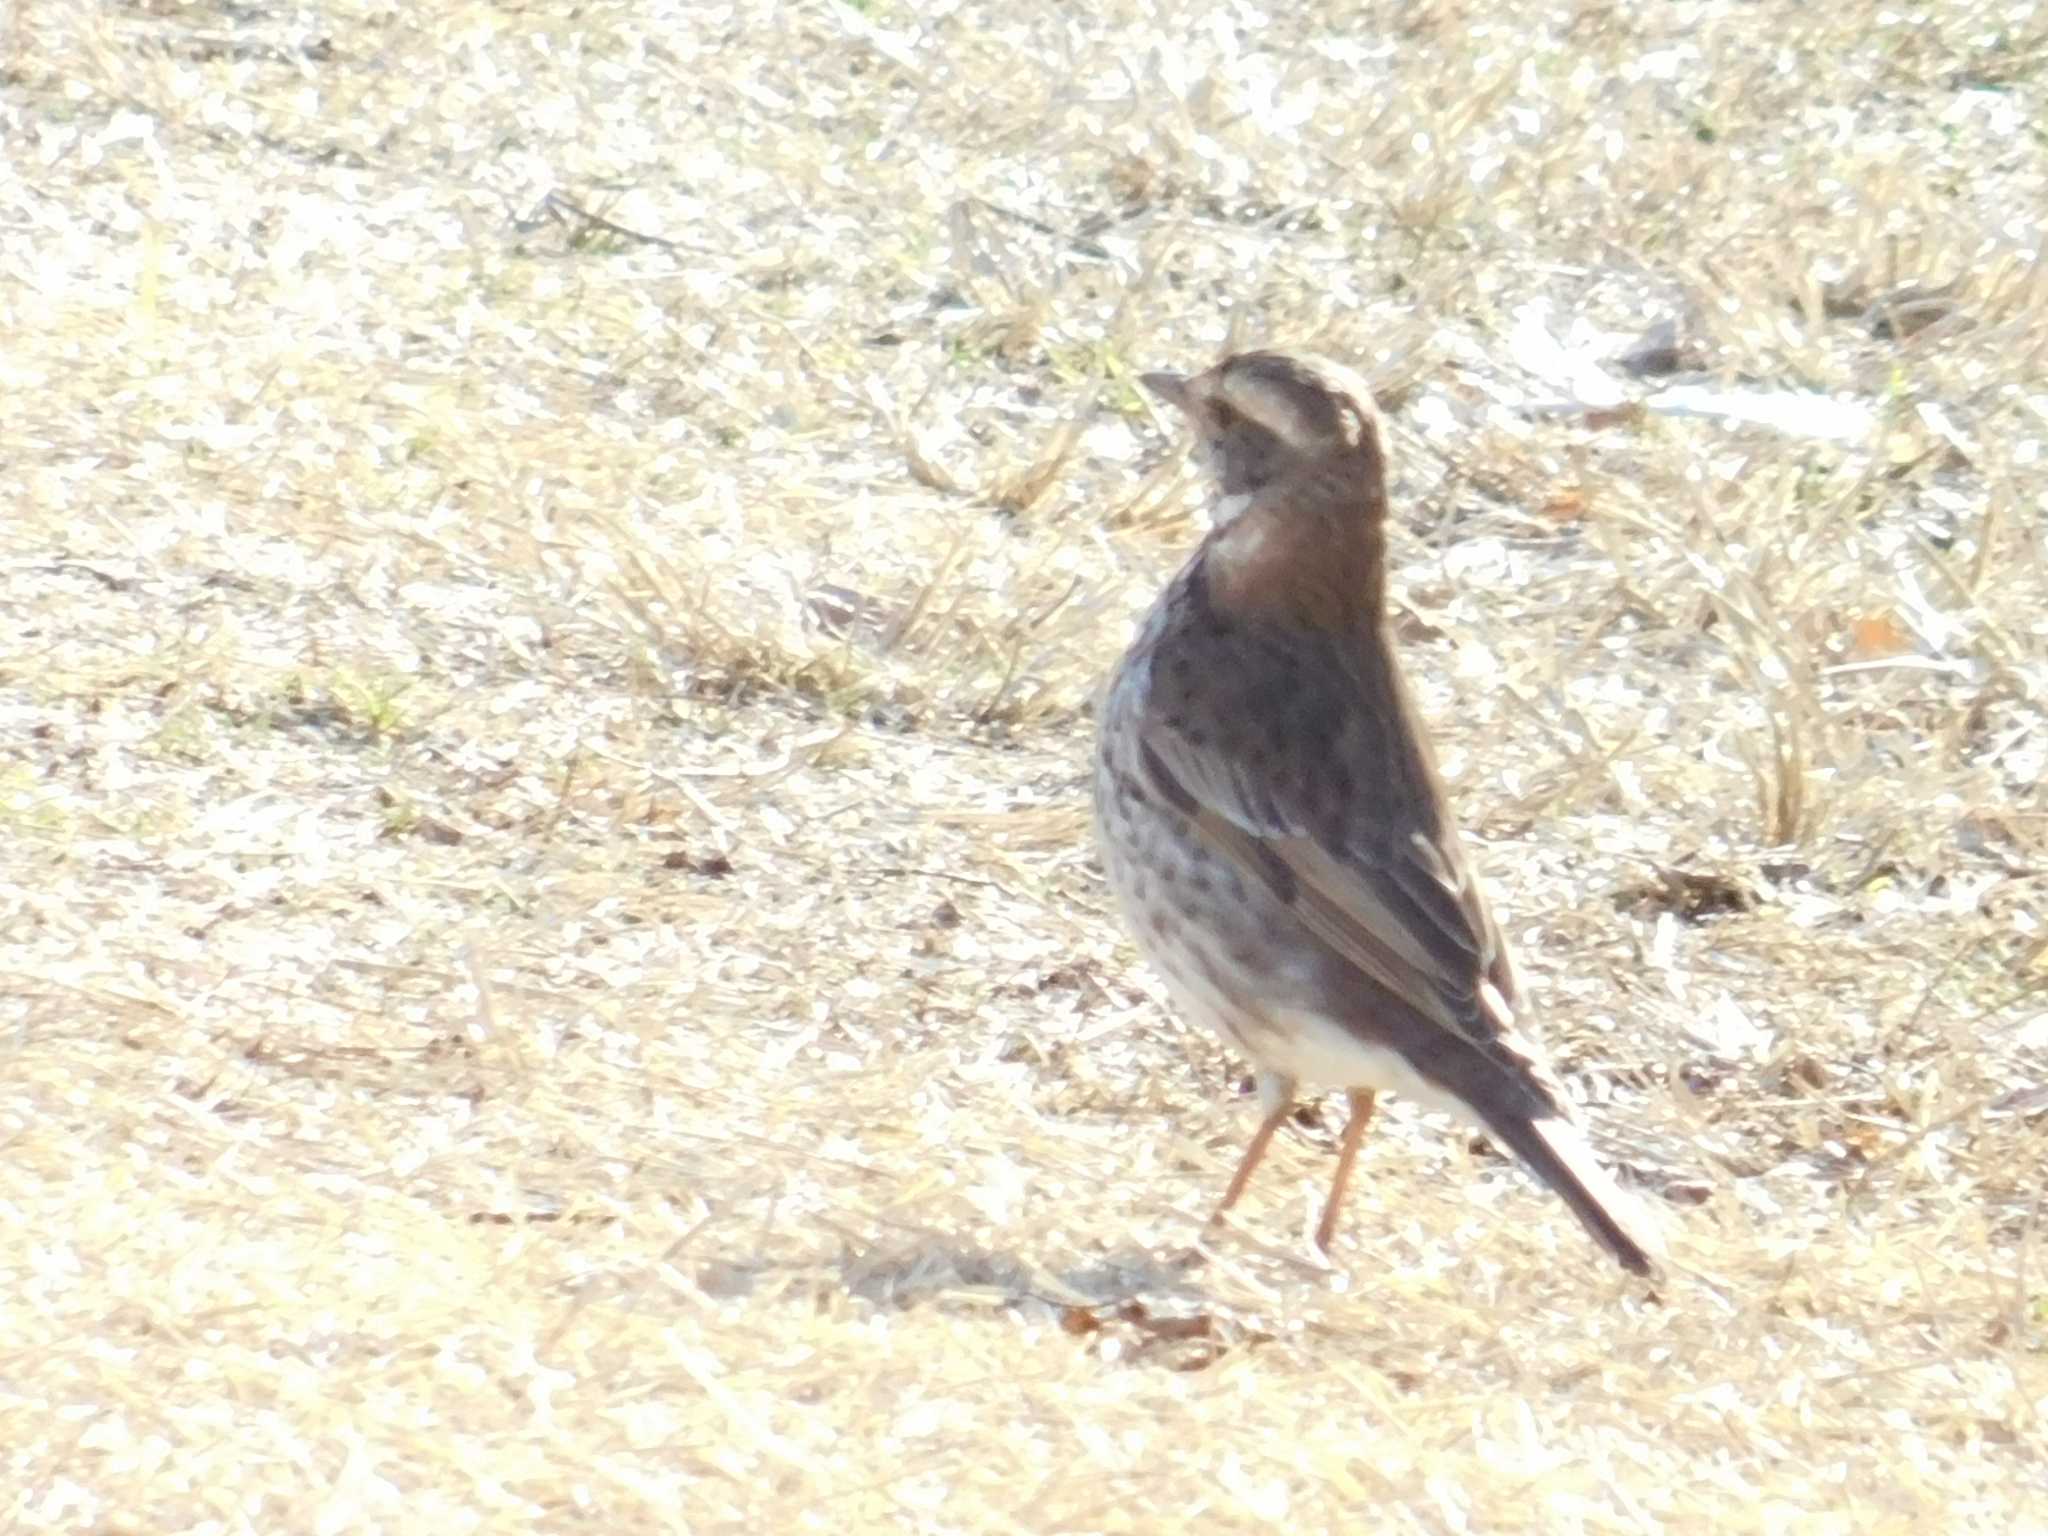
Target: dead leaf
[(1873, 636)]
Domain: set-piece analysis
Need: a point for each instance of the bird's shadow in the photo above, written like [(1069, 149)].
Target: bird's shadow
[(1182, 1308)]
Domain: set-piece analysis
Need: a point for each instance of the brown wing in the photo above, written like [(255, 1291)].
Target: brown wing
[(1301, 763)]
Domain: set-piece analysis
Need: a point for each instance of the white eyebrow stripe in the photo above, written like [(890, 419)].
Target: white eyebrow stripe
[(1229, 509)]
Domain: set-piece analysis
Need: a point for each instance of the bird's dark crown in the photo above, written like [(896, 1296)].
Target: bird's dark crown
[(1261, 415), (1313, 405)]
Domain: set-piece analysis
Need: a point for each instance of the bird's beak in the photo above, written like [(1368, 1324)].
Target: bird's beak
[(1170, 387)]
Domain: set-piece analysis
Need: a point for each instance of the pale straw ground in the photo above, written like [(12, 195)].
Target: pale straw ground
[(556, 558)]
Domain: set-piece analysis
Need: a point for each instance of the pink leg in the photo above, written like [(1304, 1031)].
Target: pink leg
[(1354, 1132), (1253, 1154)]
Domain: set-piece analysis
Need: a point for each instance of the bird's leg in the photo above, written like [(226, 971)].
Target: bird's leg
[(1253, 1155), (1354, 1132), (1276, 1094)]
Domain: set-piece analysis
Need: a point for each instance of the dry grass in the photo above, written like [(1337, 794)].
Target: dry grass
[(556, 563)]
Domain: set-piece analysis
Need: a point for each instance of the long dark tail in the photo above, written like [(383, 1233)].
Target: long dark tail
[(1555, 1150)]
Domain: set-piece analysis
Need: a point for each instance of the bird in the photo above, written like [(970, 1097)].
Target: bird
[(1271, 819)]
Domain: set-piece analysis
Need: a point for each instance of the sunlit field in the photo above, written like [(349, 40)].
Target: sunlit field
[(553, 973)]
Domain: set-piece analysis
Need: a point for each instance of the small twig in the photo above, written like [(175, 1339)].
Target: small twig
[(897, 871), (563, 211), (1080, 244)]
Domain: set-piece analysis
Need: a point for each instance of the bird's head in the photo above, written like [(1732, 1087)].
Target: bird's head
[(1262, 417)]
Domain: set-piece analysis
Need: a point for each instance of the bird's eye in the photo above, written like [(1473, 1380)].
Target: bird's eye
[(1224, 415)]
